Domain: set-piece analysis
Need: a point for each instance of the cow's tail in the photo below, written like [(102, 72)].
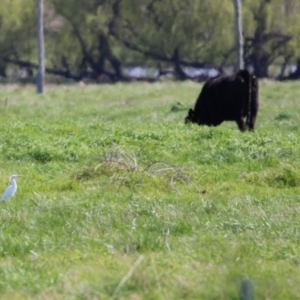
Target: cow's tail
[(250, 91)]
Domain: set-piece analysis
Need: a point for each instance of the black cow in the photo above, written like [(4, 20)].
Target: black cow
[(227, 98)]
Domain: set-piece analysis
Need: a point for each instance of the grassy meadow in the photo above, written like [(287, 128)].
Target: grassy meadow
[(119, 199)]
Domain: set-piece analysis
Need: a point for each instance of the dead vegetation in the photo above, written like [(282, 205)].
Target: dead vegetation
[(122, 167)]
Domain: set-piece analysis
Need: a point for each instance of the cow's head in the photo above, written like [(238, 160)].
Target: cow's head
[(190, 117)]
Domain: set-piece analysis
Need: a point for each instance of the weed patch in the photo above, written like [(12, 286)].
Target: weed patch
[(284, 177)]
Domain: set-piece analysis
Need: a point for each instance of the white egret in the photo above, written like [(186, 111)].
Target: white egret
[(10, 191)]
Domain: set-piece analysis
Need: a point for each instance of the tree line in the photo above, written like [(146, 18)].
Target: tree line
[(99, 39)]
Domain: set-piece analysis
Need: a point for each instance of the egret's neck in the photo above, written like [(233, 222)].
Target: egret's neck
[(13, 182)]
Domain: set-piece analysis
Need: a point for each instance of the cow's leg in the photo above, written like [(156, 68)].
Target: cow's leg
[(241, 124), (251, 123)]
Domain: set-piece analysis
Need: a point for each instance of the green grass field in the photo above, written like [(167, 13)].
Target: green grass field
[(120, 200)]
